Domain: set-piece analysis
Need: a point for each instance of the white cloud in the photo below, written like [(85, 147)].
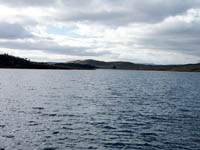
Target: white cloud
[(153, 31)]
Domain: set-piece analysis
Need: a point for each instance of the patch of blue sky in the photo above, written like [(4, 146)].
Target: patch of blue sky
[(66, 31)]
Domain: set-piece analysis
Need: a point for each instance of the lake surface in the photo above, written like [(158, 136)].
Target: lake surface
[(99, 109)]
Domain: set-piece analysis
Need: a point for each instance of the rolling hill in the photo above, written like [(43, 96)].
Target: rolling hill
[(8, 61), (133, 66)]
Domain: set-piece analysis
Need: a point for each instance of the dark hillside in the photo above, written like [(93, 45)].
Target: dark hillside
[(8, 61)]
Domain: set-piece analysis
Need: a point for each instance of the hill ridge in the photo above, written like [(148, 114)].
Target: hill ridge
[(124, 65), (8, 61)]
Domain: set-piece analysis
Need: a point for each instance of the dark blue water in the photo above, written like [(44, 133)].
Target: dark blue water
[(102, 109)]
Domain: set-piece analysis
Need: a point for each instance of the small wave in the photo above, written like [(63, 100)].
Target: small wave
[(2, 126), (38, 108)]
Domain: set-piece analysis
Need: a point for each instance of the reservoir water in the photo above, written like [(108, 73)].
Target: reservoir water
[(99, 109)]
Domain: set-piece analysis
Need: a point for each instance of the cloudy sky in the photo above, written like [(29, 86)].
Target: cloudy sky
[(140, 31)]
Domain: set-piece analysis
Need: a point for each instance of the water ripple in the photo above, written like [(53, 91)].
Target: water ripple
[(102, 109)]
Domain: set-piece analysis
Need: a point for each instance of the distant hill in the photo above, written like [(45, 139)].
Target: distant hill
[(75, 65), (90, 62), (133, 66), (8, 61)]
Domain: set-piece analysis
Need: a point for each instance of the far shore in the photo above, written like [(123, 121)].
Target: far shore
[(12, 62)]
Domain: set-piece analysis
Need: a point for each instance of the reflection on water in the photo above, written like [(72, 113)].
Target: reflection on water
[(101, 109)]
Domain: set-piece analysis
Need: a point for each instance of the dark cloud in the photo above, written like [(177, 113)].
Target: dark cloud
[(76, 3), (110, 12), (123, 12), (159, 32), (13, 31), (178, 36), (51, 47), (107, 18), (30, 3)]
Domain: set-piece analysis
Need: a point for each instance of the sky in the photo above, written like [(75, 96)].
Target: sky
[(139, 31)]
